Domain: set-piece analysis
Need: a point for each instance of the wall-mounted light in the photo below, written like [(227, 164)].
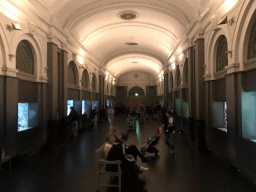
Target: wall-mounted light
[(226, 21), (173, 66), (13, 27), (181, 56), (46, 68), (230, 53), (79, 59), (172, 59), (136, 94), (11, 56)]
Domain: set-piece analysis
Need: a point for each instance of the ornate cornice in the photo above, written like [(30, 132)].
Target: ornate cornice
[(184, 86), (43, 79), (221, 74), (176, 89), (233, 68), (250, 64), (74, 86), (9, 71), (208, 77)]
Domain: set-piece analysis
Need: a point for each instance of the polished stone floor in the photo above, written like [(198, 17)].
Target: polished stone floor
[(71, 166)]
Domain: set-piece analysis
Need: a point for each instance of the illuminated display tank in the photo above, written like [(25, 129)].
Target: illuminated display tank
[(94, 104), (72, 103), (27, 116), (108, 103), (86, 107)]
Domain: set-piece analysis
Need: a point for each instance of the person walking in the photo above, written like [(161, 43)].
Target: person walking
[(168, 125)]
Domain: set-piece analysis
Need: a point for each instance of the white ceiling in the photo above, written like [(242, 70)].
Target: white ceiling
[(159, 28)]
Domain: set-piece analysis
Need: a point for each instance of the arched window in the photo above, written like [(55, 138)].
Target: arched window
[(24, 57), (222, 56), (72, 75), (252, 41), (178, 77), (185, 73), (171, 80), (85, 79), (94, 82)]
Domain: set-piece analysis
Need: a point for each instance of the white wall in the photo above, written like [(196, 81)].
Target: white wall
[(129, 79)]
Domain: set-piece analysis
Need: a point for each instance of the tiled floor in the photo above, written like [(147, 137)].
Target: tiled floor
[(71, 166)]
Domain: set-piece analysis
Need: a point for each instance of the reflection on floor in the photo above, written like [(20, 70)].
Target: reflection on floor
[(71, 166)]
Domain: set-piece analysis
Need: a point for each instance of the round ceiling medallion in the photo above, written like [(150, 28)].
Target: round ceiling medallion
[(128, 16), (136, 75), (131, 43)]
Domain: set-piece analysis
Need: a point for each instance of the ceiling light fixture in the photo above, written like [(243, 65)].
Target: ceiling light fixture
[(173, 66), (172, 59), (13, 27), (131, 43), (128, 16)]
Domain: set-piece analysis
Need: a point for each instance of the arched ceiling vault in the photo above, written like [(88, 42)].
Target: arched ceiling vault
[(143, 43)]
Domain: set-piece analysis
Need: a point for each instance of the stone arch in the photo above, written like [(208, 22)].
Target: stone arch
[(85, 79), (25, 57), (107, 89), (211, 50), (171, 80), (4, 48), (94, 82), (241, 35), (39, 58), (220, 53), (185, 72), (72, 73), (136, 89), (178, 77)]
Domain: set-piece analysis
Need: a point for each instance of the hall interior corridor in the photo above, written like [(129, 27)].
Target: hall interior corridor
[(70, 167)]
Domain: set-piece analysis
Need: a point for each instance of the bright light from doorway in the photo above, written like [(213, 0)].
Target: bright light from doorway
[(136, 94)]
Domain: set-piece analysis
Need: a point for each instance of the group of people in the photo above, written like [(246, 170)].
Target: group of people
[(117, 149)]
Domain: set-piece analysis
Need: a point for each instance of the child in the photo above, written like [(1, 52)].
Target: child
[(150, 146)]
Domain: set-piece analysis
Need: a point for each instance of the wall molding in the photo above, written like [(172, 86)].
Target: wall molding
[(9, 71), (250, 64), (220, 74), (208, 77), (233, 68)]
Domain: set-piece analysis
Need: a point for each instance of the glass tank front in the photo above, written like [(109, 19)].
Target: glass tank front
[(27, 116), (72, 103), (94, 104), (86, 107)]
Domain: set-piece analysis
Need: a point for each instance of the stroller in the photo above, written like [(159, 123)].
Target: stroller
[(150, 145)]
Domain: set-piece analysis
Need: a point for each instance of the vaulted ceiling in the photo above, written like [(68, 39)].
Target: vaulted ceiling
[(128, 35)]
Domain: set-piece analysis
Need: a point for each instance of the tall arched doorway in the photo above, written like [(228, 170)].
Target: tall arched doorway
[(136, 98)]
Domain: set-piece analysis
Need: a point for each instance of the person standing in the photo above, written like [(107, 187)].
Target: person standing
[(111, 113), (73, 116), (142, 112), (158, 109), (93, 113)]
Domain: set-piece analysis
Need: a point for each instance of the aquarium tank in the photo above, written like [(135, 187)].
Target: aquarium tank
[(178, 106), (27, 116), (108, 103), (72, 103), (94, 104), (86, 107)]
